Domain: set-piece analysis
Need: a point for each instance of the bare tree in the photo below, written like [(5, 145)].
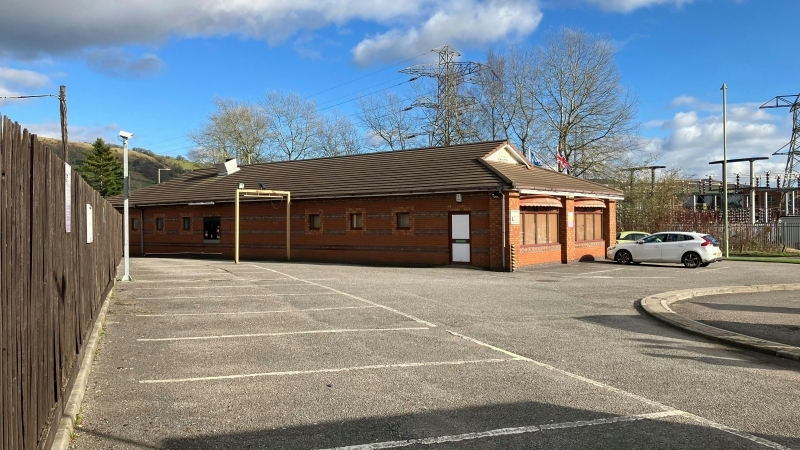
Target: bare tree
[(338, 136), (582, 109), (293, 125), (390, 121), (236, 129), (495, 107)]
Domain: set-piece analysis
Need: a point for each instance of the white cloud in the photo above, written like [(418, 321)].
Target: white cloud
[(77, 133), (15, 82), (78, 25), (695, 137), (626, 6), (454, 22)]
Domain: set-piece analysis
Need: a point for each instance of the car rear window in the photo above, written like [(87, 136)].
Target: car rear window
[(711, 239)]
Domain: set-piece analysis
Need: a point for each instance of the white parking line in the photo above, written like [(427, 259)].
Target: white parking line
[(608, 387), (254, 312), (234, 297), (222, 287), (353, 296), (506, 432), (601, 271), (341, 369), (283, 333)]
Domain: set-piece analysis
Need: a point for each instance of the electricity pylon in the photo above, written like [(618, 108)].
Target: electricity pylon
[(790, 177), (449, 105)]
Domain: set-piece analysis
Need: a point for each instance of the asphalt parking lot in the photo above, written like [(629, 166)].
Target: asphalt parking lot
[(201, 354)]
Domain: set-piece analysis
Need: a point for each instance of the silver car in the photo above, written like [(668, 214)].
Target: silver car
[(690, 248)]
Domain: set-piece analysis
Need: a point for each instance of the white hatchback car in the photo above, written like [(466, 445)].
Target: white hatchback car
[(690, 248)]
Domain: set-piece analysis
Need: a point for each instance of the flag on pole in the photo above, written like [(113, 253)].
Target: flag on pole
[(563, 161)]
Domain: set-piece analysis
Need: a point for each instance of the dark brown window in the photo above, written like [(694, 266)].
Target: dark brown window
[(187, 223), (135, 224), (539, 228), (403, 221), (314, 222), (589, 226), (159, 223), (356, 221)]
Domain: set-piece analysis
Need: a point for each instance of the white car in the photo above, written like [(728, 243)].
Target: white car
[(690, 248)]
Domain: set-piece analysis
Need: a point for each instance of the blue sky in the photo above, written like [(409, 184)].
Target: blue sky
[(153, 68)]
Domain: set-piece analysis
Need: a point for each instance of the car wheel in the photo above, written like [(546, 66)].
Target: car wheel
[(692, 260), (624, 257)]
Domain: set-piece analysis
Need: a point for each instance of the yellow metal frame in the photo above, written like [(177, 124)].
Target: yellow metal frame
[(262, 193)]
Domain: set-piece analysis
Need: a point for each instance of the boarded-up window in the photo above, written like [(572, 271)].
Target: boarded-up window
[(539, 227), (589, 226)]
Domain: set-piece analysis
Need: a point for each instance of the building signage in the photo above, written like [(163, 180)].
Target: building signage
[(570, 219), (514, 217), (68, 196)]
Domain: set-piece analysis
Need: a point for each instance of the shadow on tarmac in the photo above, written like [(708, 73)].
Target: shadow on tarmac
[(666, 433)]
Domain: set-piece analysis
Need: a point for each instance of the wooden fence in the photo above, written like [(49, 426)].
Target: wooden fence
[(52, 283)]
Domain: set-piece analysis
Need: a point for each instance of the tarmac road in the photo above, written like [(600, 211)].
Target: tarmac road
[(205, 354)]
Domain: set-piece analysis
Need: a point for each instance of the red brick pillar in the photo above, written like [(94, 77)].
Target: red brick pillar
[(566, 233), (513, 231), (610, 223)]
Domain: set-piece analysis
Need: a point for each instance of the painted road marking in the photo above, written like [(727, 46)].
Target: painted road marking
[(254, 312), (353, 296), (234, 297), (283, 333), (249, 286), (507, 431), (341, 369), (608, 387)]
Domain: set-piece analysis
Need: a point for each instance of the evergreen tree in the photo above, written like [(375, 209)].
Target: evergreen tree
[(102, 170)]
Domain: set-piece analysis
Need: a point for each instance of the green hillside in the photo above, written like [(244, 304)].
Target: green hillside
[(143, 164)]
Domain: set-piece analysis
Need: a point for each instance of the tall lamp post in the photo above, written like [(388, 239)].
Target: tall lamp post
[(124, 135), (724, 167), (159, 175)]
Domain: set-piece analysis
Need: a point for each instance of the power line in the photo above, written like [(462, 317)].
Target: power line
[(31, 96), (370, 74)]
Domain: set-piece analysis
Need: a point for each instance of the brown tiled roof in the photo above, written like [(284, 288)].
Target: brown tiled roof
[(425, 170), (538, 178), (416, 171)]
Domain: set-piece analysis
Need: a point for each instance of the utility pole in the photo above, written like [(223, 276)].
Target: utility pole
[(448, 104), (62, 100)]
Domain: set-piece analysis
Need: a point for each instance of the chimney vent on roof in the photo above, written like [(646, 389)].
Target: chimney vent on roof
[(227, 168)]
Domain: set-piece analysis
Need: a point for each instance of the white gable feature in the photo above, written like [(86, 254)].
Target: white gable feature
[(507, 154)]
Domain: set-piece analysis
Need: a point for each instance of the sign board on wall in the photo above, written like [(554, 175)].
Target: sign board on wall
[(89, 224), (68, 196), (570, 220), (514, 217)]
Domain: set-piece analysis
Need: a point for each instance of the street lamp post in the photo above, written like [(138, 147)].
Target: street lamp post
[(159, 175), (725, 167), (124, 135)]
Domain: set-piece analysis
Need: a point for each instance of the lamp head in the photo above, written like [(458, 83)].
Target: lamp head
[(125, 135)]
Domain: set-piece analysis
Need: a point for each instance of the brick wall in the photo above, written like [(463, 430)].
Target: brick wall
[(263, 230)]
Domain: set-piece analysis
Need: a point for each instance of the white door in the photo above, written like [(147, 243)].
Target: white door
[(649, 249), (459, 238)]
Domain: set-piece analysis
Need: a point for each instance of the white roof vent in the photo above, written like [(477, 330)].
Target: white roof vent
[(227, 168)]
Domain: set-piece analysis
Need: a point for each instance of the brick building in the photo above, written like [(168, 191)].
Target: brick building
[(481, 204)]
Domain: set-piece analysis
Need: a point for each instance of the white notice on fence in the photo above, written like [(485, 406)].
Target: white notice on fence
[(89, 224), (68, 196)]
